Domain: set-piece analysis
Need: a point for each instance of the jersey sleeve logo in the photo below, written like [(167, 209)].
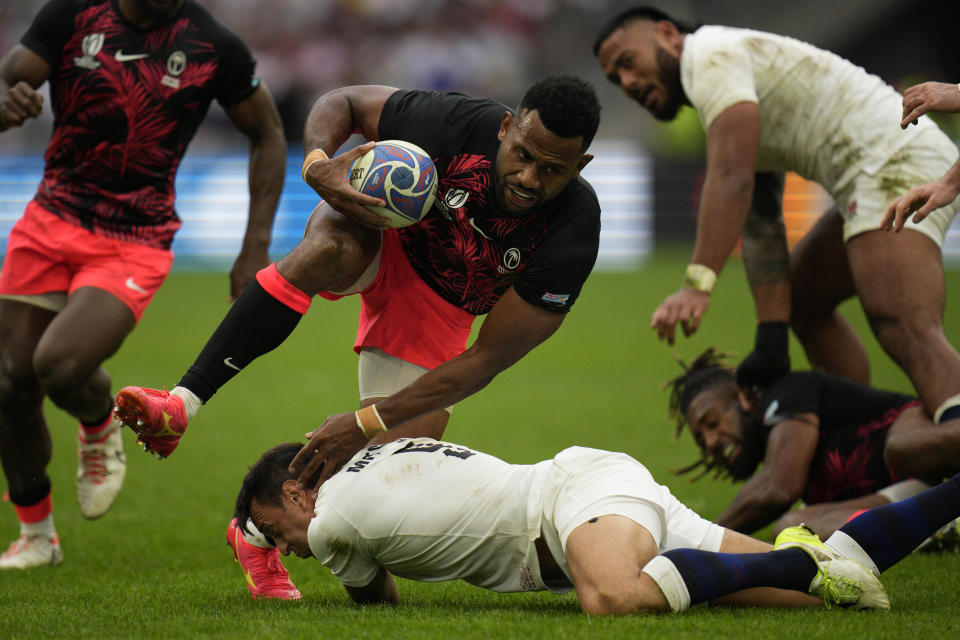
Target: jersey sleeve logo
[(770, 416), (91, 46), (558, 299)]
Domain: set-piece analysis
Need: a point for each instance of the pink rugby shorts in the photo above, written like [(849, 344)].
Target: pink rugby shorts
[(46, 254), (402, 316)]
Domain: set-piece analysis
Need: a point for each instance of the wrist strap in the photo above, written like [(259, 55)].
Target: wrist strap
[(773, 336), (700, 277), (316, 155), (369, 422)]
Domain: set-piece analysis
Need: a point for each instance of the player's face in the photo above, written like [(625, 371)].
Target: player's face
[(286, 525), (724, 430), (533, 164), (155, 10), (642, 58)]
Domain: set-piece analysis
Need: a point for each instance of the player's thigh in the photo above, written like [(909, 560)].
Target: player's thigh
[(87, 331), (606, 556), (334, 252), (21, 327), (820, 276), (898, 277)]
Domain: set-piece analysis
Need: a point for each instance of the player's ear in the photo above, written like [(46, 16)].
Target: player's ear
[(584, 160), (505, 123), (745, 398), (291, 490)]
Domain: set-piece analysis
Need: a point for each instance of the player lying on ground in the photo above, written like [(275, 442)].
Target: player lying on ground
[(513, 234), (771, 104), (591, 520), (837, 445)]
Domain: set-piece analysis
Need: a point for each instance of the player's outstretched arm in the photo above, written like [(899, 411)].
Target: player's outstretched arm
[(21, 72), (511, 329), (781, 480), (732, 142), (257, 118), (922, 199), (929, 97), (333, 117), (382, 590)]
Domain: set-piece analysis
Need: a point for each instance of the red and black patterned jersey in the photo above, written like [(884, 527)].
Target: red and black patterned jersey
[(126, 103), (465, 248), (854, 421)]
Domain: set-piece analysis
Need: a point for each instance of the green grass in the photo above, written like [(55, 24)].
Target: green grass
[(157, 565)]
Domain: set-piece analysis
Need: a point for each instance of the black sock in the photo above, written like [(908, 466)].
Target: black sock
[(891, 532), (708, 574), (256, 324)]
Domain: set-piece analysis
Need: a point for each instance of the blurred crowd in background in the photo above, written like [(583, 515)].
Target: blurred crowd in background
[(496, 48)]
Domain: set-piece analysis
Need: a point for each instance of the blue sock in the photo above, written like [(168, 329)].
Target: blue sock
[(891, 532), (708, 574)]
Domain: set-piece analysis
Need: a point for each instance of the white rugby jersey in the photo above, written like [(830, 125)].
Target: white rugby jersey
[(821, 115), (478, 523)]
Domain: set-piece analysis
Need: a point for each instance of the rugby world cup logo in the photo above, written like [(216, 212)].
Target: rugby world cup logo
[(90, 46)]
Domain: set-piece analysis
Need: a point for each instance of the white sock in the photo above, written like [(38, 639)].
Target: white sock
[(671, 583), (191, 402), (845, 546), (41, 528), (253, 536)]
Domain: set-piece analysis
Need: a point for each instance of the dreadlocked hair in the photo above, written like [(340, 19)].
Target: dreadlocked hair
[(708, 369)]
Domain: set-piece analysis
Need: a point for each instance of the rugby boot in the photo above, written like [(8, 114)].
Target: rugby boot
[(265, 574), (27, 552), (839, 581), (158, 418), (101, 467)]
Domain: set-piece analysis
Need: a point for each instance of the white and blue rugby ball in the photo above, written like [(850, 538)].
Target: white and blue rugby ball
[(402, 175)]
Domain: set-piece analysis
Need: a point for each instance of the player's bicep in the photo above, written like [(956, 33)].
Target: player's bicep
[(380, 590), (733, 140), (512, 328), (257, 115), (23, 65), (366, 107), (791, 445)]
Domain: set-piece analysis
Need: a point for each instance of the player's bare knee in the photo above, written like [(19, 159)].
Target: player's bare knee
[(60, 374), (601, 600)]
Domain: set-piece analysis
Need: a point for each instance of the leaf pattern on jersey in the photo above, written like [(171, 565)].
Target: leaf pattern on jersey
[(120, 132), (456, 260), (854, 466)]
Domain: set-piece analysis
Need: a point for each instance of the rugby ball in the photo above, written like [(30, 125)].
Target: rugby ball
[(402, 175)]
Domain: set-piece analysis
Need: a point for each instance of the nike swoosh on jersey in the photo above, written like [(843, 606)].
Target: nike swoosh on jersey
[(131, 284), (479, 230), (120, 56), (229, 363)]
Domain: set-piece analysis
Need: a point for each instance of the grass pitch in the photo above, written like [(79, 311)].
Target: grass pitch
[(157, 565)]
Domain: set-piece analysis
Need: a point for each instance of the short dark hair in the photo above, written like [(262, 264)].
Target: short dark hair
[(708, 370), (264, 481), (637, 13), (567, 106)]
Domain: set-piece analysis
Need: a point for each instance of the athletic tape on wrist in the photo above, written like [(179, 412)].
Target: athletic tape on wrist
[(316, 155), (700, 277), (369, 422)]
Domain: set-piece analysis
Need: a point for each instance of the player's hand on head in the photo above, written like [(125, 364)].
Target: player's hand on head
[(330, 179), (926, 97), (918, 202), (685, 307), (329, 447), (21, 103)]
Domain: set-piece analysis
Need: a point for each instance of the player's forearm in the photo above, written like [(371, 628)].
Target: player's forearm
[(442, 387), (266, 173), (767, 262), (724, 203), (760, 502)]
